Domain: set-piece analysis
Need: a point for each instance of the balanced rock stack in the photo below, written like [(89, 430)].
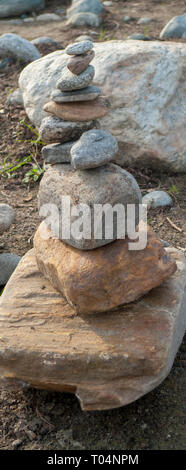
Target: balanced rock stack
[(75, 105), (72, 295), (90, 279)]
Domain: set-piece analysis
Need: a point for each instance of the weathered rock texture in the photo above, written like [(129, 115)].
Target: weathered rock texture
[(145, 83), (99, 280), (108, 184), (107, 360)]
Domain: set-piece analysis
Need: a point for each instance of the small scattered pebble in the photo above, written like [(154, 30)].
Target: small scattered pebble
[(157, 199)]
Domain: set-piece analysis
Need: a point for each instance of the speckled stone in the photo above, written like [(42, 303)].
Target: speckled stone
[(79, 48), (70, 82)]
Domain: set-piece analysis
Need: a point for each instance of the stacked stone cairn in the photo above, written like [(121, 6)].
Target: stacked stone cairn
[(72, 297), (96, 272)]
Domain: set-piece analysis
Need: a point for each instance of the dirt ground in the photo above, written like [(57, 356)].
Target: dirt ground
[(34, 419)]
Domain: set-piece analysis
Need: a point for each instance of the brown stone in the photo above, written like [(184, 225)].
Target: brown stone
[(107, 360), (78, 111), (79, 63), (100, 280)]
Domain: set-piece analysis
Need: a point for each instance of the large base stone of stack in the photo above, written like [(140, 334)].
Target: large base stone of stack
[(17, 7), (145, 84), (106, 360), (100, 280), (106, 184)]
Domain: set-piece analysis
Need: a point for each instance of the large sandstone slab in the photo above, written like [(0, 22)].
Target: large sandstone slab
[(107, 360), (100, 280), (145, 84)]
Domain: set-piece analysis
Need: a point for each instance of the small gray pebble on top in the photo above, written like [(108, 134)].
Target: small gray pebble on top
[(79, 48)]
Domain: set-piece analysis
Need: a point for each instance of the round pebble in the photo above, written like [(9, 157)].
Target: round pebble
[(157, 199)]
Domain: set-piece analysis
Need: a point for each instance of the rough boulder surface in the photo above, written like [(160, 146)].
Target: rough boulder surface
[(107, 360), (102, 279), (145, 84)]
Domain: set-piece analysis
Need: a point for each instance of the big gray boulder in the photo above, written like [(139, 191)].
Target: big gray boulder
[(17, 7), (85, 6), (12, 45), (175, 28), (145, 83)]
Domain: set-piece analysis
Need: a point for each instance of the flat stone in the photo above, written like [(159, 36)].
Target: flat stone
[(81, 111), (84, 19), (54, 130), (157, 199), (48, 17), (175, 28), (7, 217), (44, 40), (79, 48), (107, 360), (103, 279), (93, 149), (102, 185), (86, 94), (70, 82), (8, 263), (78, 64), (57, 153), (12, 45)]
